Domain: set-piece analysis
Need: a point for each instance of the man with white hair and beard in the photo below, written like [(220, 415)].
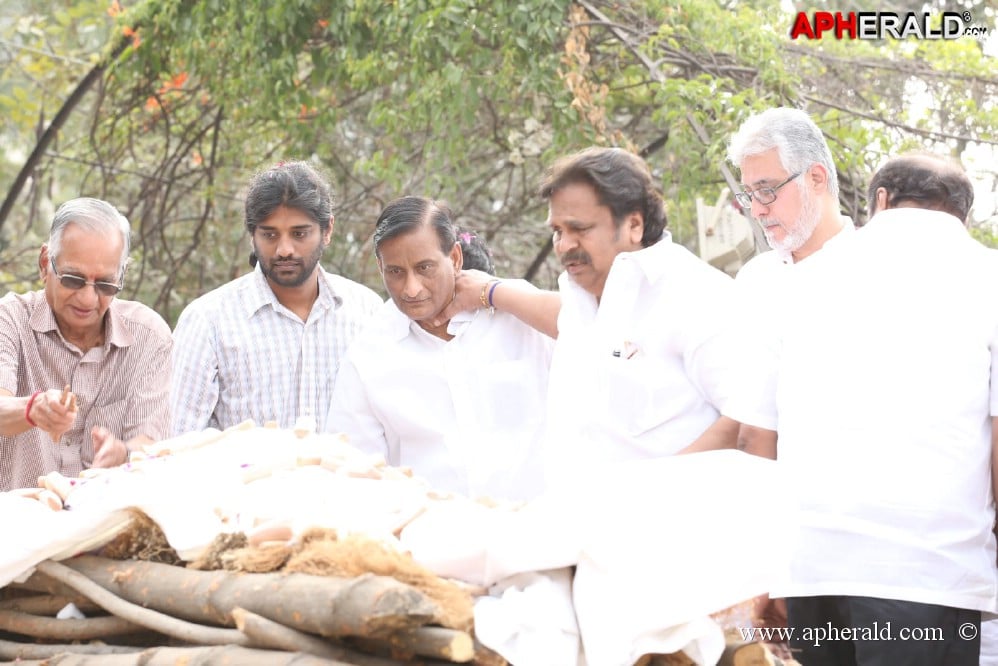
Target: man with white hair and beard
[(791, 189)]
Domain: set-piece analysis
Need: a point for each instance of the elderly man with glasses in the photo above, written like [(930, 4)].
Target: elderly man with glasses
[(791, 190), (84, 376)]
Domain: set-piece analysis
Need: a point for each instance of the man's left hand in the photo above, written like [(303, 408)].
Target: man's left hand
[(109, 451)]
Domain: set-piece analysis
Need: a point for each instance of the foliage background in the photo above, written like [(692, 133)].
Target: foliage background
[(167, 107)]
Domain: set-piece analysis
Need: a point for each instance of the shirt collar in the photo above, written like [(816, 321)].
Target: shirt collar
[(259, 294), (399, 326), (650, 260), (115, 330), (579, 304), (914, 217), (43, 320), (847, 226)]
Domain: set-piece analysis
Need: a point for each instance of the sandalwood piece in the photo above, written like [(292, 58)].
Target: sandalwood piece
[(50, 499), (57, 483), (270, 531), (27, 493)]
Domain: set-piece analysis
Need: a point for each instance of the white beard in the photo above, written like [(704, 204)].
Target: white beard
[(797, 234)]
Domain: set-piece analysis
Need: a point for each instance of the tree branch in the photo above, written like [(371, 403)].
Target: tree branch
[(50, 133)]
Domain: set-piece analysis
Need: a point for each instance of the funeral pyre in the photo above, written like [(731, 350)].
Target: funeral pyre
[(251, 545)]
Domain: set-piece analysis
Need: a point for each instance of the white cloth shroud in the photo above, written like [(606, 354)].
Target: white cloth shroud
[(658, 546)]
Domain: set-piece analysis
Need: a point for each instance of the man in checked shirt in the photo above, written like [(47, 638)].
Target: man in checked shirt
[(267, 346), (114, 354)]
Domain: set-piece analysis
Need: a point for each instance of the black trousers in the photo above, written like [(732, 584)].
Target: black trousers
[(865, 631)]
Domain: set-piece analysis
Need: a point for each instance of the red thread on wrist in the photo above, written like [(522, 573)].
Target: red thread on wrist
[(27, 409)]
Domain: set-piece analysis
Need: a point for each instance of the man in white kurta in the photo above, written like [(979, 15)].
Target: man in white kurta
[(642, 373), (466, 413), (459, 400), (880, 391)]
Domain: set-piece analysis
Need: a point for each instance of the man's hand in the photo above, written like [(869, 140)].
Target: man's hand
[(53, 413), (109, 451), (467, 294)]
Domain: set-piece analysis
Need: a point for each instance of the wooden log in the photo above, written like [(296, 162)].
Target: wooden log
[(487, 657), (48, 604), (52, 629), (267, 633), (164, 624), (435, 642), (221, 655), (325, 605), (17, 651)]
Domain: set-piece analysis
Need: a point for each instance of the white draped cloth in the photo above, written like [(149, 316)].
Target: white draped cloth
[(658, 545)]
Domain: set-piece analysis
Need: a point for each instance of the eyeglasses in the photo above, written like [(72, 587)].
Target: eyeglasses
[(764, 195), (75, 282)]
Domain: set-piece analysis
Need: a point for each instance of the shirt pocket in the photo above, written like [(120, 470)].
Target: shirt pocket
[(645, 392)]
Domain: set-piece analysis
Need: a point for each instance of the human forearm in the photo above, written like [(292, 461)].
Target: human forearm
[(757, 441), (474, 290), (12, 421), (722, 434), (534, 307), (45, 410)]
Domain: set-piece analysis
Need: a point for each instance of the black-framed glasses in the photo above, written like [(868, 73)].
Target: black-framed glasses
[(764, 195), (75, 282)]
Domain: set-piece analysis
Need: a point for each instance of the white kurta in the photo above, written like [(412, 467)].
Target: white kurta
[(465, 414), (643, 373), (878, 383)]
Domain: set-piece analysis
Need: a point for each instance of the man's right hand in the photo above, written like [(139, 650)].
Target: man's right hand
[(50, 414)]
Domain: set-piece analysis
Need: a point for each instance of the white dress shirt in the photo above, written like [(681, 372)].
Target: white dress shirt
[(465, 414), (877, 379), (763, 275), (239, 354), (643, 373)]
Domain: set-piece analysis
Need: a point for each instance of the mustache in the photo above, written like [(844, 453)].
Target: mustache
[(576, 257)]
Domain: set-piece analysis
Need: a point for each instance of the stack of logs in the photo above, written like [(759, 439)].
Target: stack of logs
[(212, 617), (317, 598)]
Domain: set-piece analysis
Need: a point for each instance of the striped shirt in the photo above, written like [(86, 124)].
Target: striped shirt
[(242, 355), (122, 385)]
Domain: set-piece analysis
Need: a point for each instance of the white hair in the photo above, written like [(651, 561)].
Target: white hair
[(94, 216), (798, 142)]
